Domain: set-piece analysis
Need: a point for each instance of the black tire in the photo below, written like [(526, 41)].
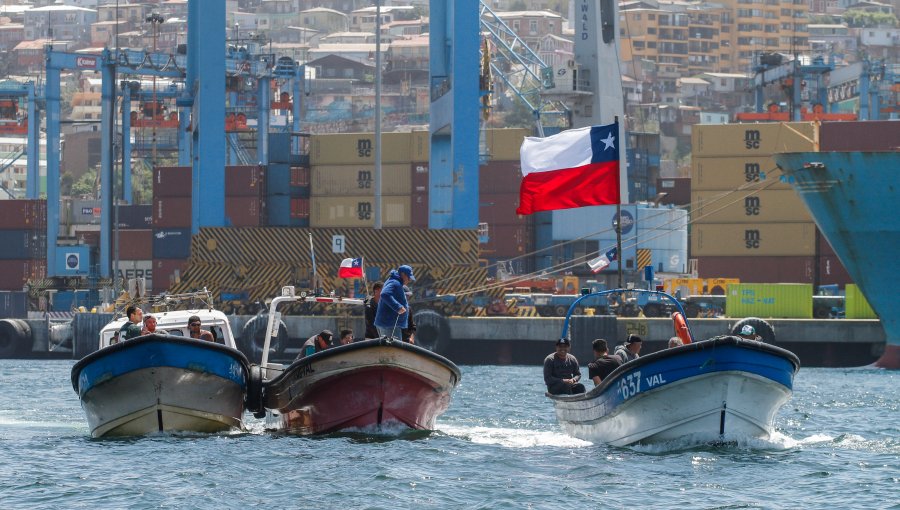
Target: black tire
[(15, 338), (692, 311), (254, 401), (432, 330), (652, 310), (764, 330), (821, 312), (630, 310), (253, 337), (561, 311)]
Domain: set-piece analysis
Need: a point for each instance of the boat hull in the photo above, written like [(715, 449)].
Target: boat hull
[(361, 385), (847, 194), (158, 383), (715, 390)]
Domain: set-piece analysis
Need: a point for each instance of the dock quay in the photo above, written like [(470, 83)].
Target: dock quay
[(479, 340)]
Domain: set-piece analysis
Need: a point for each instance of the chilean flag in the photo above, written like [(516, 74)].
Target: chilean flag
[(575, 168), (599, 263), (351, 268)]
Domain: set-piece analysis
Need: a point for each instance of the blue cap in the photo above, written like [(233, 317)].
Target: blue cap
[(404, 269), (748, 330)]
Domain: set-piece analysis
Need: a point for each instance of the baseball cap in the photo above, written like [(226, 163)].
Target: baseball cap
[(633, 338), (326, 334), (748, 330), (408, 271), (563, 341)]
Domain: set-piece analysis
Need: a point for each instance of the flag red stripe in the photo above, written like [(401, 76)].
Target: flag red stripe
[(350, 272), (591, 184)]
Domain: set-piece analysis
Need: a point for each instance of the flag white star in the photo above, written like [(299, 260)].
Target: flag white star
[(609, 141)]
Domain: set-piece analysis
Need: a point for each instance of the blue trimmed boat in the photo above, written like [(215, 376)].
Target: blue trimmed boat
[(167, 381), (722, 389)]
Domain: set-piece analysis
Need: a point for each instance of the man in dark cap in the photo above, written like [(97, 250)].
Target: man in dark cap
[(393, 308), (316, 343), (561, 370), (631, 349)]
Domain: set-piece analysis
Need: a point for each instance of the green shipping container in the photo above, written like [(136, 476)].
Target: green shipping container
[(769, 300), (856, 305)]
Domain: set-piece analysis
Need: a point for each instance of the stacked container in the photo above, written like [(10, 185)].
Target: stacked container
[(746, 222), (171, 236), (23, 236)]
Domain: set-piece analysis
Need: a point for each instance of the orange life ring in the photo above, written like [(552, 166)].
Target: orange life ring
[(681, 328)]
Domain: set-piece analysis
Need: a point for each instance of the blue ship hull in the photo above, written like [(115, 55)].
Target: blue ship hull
[(851, 196)]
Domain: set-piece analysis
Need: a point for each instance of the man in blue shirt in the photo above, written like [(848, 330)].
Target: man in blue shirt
[(393, 308)]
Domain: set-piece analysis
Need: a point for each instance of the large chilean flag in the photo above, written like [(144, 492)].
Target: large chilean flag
[(575, 168)]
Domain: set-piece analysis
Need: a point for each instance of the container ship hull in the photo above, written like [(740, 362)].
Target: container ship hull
[(850, 195)]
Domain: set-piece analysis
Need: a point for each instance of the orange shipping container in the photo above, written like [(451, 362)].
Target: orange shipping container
[(767, 206), (359, 211), (761, 239)]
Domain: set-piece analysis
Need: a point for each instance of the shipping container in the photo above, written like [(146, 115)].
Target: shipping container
[(500, 209), (359, 211), (507, 241), (14, 273), (245, 211), (357, 148), (167, 272), (855, 304), (419, 210), (343, 180), (419, 145), (766, 206), (86, 234), (759, 269), (22, 244), (759, 239), (279, 148), (245, 181), (500, 177), (710, 174), (769, 300), (172, 181), (129, 269), (137, 217), (832, 271), (299, 208), (278, 179), (135, 244), (677, 190), (300, 176), (419, 177), (171, 243), (23, 214), (172, 212), (595, 222), (866, 136), (751, 139), (504, 144), (13, 305), (85, 212), (278, 210)]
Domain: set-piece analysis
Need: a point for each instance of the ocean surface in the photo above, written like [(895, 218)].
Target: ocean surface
[(498, 446)]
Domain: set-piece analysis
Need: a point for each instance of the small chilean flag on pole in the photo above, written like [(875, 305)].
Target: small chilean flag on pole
[(351, 268), (575, 168)]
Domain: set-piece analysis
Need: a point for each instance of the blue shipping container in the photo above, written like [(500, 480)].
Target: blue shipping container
[(171, 243), (22, 244), (13, 305), (278, 179), (278, 208)]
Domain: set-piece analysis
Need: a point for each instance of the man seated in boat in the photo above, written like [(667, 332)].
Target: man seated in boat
[(603, 364), (372, 309), (631, 349), (561, 370), (748, 332), (346, 336), (149, 325), (675, 342), (392, 316), (197, 333), (132, 328), (316, 343)]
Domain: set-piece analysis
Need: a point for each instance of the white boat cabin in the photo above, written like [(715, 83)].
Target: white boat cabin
[(176, 323)]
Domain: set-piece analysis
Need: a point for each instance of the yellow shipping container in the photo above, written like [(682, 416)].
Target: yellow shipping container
[(344, 180), (753, 239), (762, 139), (355, 148), (504, 144), (769, 300), (855, 304), (419, 145), (358, 211), (708, 174), (767, 206)]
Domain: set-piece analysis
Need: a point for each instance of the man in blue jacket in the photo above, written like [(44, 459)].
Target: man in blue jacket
[(393, 308)]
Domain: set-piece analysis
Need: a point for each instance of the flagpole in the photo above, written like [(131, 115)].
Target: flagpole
[(619, 256), (362, 263), (312, 252)]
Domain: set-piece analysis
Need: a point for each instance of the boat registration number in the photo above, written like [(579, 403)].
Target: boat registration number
[(631, 384)]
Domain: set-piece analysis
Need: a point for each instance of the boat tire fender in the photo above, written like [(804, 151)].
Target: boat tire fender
[(15, 338), (254, 401), (432, 330), (681, 328), (253, 337), (764, 330)]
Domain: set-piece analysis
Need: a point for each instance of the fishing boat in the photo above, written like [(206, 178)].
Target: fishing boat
[(360, 385), (721, 389), (165, 381), (850, 196)]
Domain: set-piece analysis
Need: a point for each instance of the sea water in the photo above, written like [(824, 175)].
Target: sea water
[(498, 446)]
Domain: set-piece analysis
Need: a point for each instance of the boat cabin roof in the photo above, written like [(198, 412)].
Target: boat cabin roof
[(175, 323)]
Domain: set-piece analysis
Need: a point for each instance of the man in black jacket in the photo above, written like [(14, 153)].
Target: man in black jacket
[(561, 371), (372, 309)]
